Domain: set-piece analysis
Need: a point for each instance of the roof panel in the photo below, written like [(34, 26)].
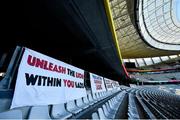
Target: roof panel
[(132, 45)]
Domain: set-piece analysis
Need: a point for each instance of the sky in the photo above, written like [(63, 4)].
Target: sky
[(178, 9)]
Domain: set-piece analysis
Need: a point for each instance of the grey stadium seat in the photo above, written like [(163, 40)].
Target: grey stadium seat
[(59, 112), (11, 114), (39, 112), (71, 107)]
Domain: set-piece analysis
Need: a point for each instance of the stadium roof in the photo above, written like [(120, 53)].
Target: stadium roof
[(78, 32), (146, 28)]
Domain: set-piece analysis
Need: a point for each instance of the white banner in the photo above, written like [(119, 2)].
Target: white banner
[(115, 84), (97, 83), (42, 80), (108, 83)]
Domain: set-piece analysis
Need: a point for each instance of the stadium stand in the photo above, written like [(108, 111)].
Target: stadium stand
[(104, 105), (87, 37), (156, 76), (101, 102), (107, 101)]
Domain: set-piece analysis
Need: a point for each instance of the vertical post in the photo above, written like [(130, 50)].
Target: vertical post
[(137, 62), (161, 59), (144, 62), (3, 59), (9, 75), (152, 60)]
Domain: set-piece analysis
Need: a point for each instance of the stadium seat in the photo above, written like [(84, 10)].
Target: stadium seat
[(91, 99), (101, 114), (112, 111), (86, 101), (72, 108), (95, 116), (98, 96), (107, 113), (39, 112), (81, 104), (25, 111), (11, 114), (5, 99), (4, 104), (59, 112), (94, 97)]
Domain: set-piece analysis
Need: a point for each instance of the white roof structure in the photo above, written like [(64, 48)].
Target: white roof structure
[(148, 31)]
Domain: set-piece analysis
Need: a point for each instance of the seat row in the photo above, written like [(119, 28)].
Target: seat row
[(59, 111), (132, 108), (161, 104), (110, 108)]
